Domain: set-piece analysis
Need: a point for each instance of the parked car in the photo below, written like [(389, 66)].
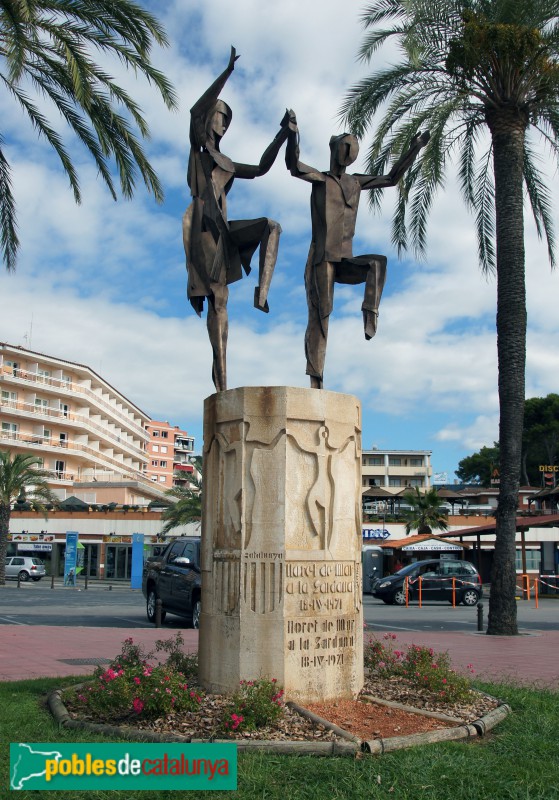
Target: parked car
[(25, 567), (436, 582), (174, 578)]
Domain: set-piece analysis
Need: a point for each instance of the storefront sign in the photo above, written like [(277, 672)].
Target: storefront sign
[(375, 533), (31, 537), (34, 547), (431, 544)]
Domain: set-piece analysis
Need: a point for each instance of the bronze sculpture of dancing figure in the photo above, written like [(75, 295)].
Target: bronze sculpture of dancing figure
[(217, 250), (334, 204)]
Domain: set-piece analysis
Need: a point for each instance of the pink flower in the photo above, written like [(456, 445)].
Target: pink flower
[(138, 705), (444, 680), (137, 681)]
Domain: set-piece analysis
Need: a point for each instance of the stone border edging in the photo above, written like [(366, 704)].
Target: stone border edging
[(351, 746)]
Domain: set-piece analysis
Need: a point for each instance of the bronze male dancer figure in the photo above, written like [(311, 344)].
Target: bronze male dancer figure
[(334, 203)]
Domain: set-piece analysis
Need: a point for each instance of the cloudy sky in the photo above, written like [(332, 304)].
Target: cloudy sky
[(104, 283)]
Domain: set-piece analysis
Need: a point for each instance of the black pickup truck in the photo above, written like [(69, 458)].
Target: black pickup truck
[(174, 578)]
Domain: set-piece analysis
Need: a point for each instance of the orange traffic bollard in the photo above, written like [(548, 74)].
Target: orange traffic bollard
[(536, 591)]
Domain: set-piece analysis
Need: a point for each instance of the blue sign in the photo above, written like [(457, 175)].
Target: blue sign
[(137, 561), (71, 558), (375, 533)]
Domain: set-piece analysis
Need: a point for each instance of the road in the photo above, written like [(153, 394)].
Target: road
[(121, 607)]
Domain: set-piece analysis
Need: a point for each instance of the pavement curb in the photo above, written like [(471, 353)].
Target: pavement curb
[(349, 746)]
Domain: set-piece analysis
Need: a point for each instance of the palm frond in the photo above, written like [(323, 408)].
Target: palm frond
[(53, 44), (540, 200), (8, 229)]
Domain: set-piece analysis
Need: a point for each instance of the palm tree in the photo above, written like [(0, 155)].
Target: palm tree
[(426, 513), (471, 68), (21, 477), (187, 505), (47, 47)]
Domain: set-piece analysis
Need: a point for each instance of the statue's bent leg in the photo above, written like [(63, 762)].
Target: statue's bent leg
[(218, 326), (374, 285), (268, 256), (319, 282), (248, 235)]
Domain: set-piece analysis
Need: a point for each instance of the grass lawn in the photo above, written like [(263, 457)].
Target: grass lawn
[(519, 760)]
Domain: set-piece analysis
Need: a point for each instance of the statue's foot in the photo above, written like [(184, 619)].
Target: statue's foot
[(262, 306), (370, 323), (316, 382)]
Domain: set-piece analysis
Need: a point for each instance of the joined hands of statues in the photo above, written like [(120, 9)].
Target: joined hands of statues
[(289, 120)]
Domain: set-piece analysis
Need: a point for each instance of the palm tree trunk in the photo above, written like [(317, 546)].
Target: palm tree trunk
[(508, 131), (5, 513)]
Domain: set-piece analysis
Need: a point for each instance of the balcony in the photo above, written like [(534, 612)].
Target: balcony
[(75, 420), (70, 387)]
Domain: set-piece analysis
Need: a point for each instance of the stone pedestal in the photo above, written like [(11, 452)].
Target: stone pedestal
[(281, 542)]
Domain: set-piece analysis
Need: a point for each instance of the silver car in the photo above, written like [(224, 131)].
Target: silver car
[(25, 567)]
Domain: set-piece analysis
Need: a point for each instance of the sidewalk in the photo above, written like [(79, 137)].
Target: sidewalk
[(44, 651)]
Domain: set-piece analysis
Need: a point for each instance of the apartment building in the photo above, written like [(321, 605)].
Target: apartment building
[(82, 429), (396, 470), (169, 452)]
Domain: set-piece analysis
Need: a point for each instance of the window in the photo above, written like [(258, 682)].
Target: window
[(13, 366), (40, 403), (8, 397), (163, 448), (155, 434), (44, 375), (176, 551), (46, 436), (394, 462), (59, 467), (533, 559), (162, 478), (65, 410), (155, 463), (415, 482), (374, 461), (155, 448), (10, 428), (162, 463), (394, 481), (416, 462), (163, 434)]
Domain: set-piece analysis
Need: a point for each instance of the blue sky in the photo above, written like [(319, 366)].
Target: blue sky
[(104, 283)]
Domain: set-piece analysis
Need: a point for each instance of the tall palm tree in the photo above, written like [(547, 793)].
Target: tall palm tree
[(187, 505), (426, 513), (20, 476), (48, 48), (471, 68)]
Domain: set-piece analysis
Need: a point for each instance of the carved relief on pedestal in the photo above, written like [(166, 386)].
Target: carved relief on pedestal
[(262, 582)]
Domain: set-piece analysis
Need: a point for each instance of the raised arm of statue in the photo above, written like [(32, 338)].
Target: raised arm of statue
[(288, 124), (202, 107), (400, 167), (296, 167)]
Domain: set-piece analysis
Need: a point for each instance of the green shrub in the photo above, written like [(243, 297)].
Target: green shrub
[(420, 667), (133, 687), (256, 704)]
